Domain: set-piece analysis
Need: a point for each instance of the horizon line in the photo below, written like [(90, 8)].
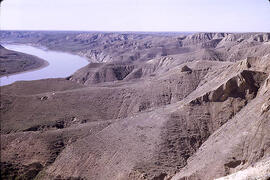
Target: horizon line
[(133, 31)]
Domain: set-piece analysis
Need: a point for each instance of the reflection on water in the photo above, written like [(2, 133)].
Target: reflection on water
[(61, 64)]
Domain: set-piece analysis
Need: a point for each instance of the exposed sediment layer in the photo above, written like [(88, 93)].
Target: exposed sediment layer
[(155, 107)]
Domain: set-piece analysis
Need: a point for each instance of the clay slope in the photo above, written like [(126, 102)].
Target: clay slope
[(240, 143), (188, 115), (204, 112)]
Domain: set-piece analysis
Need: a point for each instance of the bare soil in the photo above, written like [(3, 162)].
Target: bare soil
[(149, 106)]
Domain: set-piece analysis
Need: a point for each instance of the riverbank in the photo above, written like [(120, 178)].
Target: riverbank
[(13, 62), (57, 64)]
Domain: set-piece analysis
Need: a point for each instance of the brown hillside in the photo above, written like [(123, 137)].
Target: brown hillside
[(149, 106)]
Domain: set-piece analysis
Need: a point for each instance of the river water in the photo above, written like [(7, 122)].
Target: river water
[(61, 64)]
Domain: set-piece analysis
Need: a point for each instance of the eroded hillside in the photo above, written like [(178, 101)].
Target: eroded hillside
[(149, 106)]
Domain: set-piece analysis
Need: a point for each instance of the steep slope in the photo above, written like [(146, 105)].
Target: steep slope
[(198, 111), (238, 144), (260, 170), (196, 117)]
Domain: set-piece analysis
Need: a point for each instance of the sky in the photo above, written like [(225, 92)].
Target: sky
[(137, 15)]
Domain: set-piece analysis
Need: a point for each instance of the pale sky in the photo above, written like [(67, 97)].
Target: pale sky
[(136, 15)]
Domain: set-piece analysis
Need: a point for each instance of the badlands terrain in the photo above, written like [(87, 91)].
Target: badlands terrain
[(155, 106)]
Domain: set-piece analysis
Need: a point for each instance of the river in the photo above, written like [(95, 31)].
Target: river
[(61, 64)]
